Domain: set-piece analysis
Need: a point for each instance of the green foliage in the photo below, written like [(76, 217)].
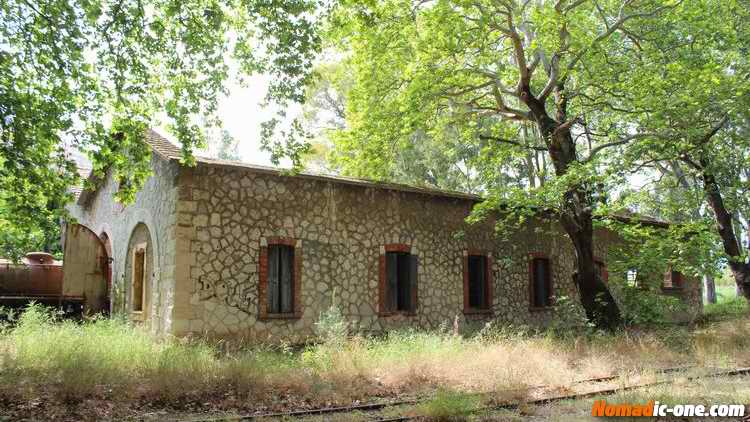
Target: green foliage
[(449, 405), (332, 327), (690, 247), (93, 75), (570, 318), (732, 307), (113, 360), (645, 307), (15, 241)]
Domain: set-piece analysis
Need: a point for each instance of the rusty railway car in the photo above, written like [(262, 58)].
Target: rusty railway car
[(79, 285)]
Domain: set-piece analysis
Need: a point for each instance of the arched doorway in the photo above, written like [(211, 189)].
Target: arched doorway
[(83, 273)]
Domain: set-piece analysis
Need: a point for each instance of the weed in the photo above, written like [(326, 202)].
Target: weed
[(70, 361), (449, 405)]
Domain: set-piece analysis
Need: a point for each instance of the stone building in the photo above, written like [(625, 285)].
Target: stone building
[(230, 249)]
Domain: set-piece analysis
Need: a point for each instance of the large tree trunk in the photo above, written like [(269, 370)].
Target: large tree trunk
[(596, 298), (576, 213), (737, 263)]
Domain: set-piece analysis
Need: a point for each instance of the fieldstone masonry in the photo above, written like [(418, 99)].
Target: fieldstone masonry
[(154, 211), (211, 223)]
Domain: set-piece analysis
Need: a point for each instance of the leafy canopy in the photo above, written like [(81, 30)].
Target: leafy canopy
[(73, 73)]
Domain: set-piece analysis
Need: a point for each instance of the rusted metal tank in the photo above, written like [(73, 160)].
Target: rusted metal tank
[(38, 274), (38, 277), (79, 289)]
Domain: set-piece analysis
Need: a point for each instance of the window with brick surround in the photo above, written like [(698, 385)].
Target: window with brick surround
[(673, 279), (398, 280), (540, 281), (279, 284), (477, 282), (280, 279)]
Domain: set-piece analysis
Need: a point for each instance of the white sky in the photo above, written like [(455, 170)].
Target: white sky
[(241, 114)]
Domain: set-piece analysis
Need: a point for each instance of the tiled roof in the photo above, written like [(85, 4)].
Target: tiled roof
[(84, 171), (162, 146)]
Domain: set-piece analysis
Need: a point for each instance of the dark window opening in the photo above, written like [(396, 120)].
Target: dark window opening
[(280, 279), (673, 279), (401, 282), (541, 292), (478, 286), (677, 279), (139, 276)]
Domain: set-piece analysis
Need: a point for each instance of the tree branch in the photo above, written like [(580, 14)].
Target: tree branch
[(621, 20), (512, 142), (622, 141)]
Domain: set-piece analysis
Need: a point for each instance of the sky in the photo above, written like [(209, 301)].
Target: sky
[(242, 114)]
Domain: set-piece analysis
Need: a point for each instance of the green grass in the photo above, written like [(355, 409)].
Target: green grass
[(113, 361), (448, 405), (728, 304)]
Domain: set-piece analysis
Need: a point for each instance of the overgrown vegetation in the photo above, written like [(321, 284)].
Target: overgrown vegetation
[(67, 362), (728, 304), (450, 405)]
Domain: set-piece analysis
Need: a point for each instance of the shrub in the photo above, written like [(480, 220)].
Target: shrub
[(729, 308), (331, 326), (642, 306), (570, 318), (449, 405)]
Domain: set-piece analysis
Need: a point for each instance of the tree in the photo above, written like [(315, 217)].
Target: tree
[(704, 75), (446, 162), (95, 74), (670, 193), (490, 67), (226, 147)]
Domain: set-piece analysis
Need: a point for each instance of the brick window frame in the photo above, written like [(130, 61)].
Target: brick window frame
[(263, 313), (488, 280), (605, 270), (383, 282), (550, 281), (673, 280)]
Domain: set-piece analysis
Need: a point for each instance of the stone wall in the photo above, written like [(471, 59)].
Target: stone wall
[(154, 207), (208, 226), (227, 214)]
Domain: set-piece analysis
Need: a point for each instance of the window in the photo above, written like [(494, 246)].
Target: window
[(632, 278), (673, 279), (281, 281), (477, 283), (398, 280), (139, 278), (541, 282)]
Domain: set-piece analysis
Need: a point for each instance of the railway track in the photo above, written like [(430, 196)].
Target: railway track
[(371, 407)]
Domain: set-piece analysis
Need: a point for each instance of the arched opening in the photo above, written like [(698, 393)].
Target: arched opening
[(84, 276), (139, 273)]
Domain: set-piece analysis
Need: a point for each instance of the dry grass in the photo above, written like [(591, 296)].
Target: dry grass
[(706, 391), (113, 361)]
